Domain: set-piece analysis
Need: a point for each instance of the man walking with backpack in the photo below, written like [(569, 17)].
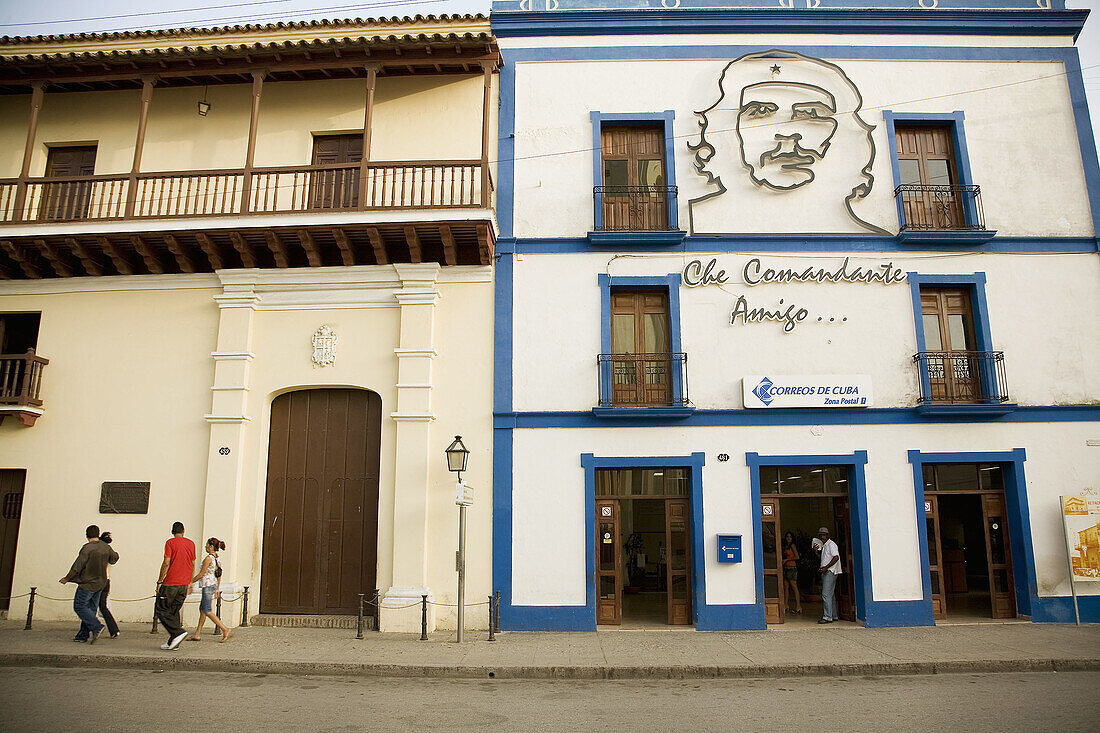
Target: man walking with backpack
[(174, 584)]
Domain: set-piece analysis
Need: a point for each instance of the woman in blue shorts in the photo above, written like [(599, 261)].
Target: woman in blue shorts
[(209, 580)]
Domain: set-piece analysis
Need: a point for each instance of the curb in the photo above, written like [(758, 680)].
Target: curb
[(677, 672)]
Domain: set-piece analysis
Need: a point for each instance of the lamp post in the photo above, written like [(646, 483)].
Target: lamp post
[(457, 456)]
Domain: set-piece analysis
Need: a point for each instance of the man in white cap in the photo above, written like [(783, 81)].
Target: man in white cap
[(829, 570)]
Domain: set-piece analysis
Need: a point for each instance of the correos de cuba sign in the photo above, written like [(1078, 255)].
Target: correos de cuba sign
[(822, 390), (756, 272)]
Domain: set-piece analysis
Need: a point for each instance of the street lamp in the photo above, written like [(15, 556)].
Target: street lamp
[(457, 456)]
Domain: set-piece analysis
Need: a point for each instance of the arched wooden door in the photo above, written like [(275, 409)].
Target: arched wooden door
[(321, 514)]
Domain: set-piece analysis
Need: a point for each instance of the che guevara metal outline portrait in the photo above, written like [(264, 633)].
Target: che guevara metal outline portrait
[(785, 126)]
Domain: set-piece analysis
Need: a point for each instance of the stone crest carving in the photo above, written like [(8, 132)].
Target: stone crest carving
[(324, 347)]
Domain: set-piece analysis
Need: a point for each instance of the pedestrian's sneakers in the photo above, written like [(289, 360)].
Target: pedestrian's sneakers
[(177, 640), (93, 637), (166, 646)]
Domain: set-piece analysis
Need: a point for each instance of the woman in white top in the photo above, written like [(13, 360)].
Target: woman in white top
[(209, 580)]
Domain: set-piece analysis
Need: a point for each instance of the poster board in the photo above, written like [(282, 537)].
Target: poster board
[(1081, 520)]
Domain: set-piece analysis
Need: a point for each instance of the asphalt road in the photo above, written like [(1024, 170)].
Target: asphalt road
[(112, 700)]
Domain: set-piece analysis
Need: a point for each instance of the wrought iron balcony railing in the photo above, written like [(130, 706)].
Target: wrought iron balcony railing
[(633, 208), (643, 380), (372, 186), (941, 208), (962, 377)]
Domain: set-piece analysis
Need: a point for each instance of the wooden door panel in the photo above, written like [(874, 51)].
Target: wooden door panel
[(321, 514), (639, 202), (774, 593), (67, 199), (1002, 594), (337, 188), (609, 586), (935, 557), (12, 482), (678, 542)]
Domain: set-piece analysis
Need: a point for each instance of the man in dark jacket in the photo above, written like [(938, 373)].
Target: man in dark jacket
[(89, 570)]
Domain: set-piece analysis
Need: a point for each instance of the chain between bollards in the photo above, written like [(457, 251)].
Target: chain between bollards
[(359, 620), (30, 608), (492, 632), (244, 608), (424, 618)]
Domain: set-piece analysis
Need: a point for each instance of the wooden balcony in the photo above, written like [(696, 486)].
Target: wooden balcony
[(21, 386)]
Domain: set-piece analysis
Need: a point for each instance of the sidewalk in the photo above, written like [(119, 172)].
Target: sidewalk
[(836, 650)]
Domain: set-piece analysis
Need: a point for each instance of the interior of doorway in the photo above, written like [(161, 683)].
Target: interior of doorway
[(965, 572), (644, 559), (800, 518)]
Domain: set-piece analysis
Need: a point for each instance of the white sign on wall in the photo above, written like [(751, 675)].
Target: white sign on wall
[(820, 390)]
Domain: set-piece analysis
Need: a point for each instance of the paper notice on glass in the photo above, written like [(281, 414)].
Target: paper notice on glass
[(1081, 517)]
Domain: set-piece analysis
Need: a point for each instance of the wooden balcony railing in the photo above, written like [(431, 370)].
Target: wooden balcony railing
[(433, 184), (21, 379), (643, 380), (962, 377), (941, 208)]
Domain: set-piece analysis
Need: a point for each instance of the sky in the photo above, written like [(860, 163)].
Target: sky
[(23, 18)]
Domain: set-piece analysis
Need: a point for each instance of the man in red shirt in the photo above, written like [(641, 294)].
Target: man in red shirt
[(174, 584)]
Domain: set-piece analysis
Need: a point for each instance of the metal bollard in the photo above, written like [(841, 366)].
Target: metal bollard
[(154, 629), (359, 621), (492, 632), (30, 608), (244, 608), (496, 612), (423, 618), (217, 630), (377, 603)]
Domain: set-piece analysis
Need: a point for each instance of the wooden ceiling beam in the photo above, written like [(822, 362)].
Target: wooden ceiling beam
[(210, 250), (53, 258), (450, 252), (278, 249), (347, 253), (81, 253), (413, 240), (248, 259), (27, 266), (121, 264), (378, 245), (143, 249), (182, 260)]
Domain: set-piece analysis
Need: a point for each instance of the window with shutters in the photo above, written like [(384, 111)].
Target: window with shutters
[(336, 185), (934, 191), (67, 190)]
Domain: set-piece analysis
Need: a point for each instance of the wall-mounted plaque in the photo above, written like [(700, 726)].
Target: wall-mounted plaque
[(124, 497)]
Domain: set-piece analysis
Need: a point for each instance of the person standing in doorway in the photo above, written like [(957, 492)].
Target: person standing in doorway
[(209, 580), (829, 570), (104, 611), (174, 584), (790, 571), (89, 570)]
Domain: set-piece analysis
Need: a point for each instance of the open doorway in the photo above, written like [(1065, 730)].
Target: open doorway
[(796, 501), (643, 547), (970, 566)]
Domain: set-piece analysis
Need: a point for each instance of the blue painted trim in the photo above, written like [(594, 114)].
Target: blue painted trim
[(694, 463), (506, 151), (871, 612), (623, 414), (1085, 137), (668, 283), (639, 118), (968, 410), (823, 416), (950, 238), (637, 239), (659, 21), (1019, 519), (807, 243), (983, 337), (1059, 609), (954, 121)]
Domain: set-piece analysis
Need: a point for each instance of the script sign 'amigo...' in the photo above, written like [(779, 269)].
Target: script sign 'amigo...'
[(820, 390)]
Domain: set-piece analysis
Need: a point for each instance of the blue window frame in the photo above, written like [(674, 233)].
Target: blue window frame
[(973, 218), (983, 340), (669, 284), (599, 119)]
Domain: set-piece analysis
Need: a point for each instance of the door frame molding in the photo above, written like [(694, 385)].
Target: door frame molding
[(857, 519), (1019, 522), (590, 462)]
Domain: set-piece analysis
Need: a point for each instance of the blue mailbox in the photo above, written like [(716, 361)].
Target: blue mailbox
[(729, 548)]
